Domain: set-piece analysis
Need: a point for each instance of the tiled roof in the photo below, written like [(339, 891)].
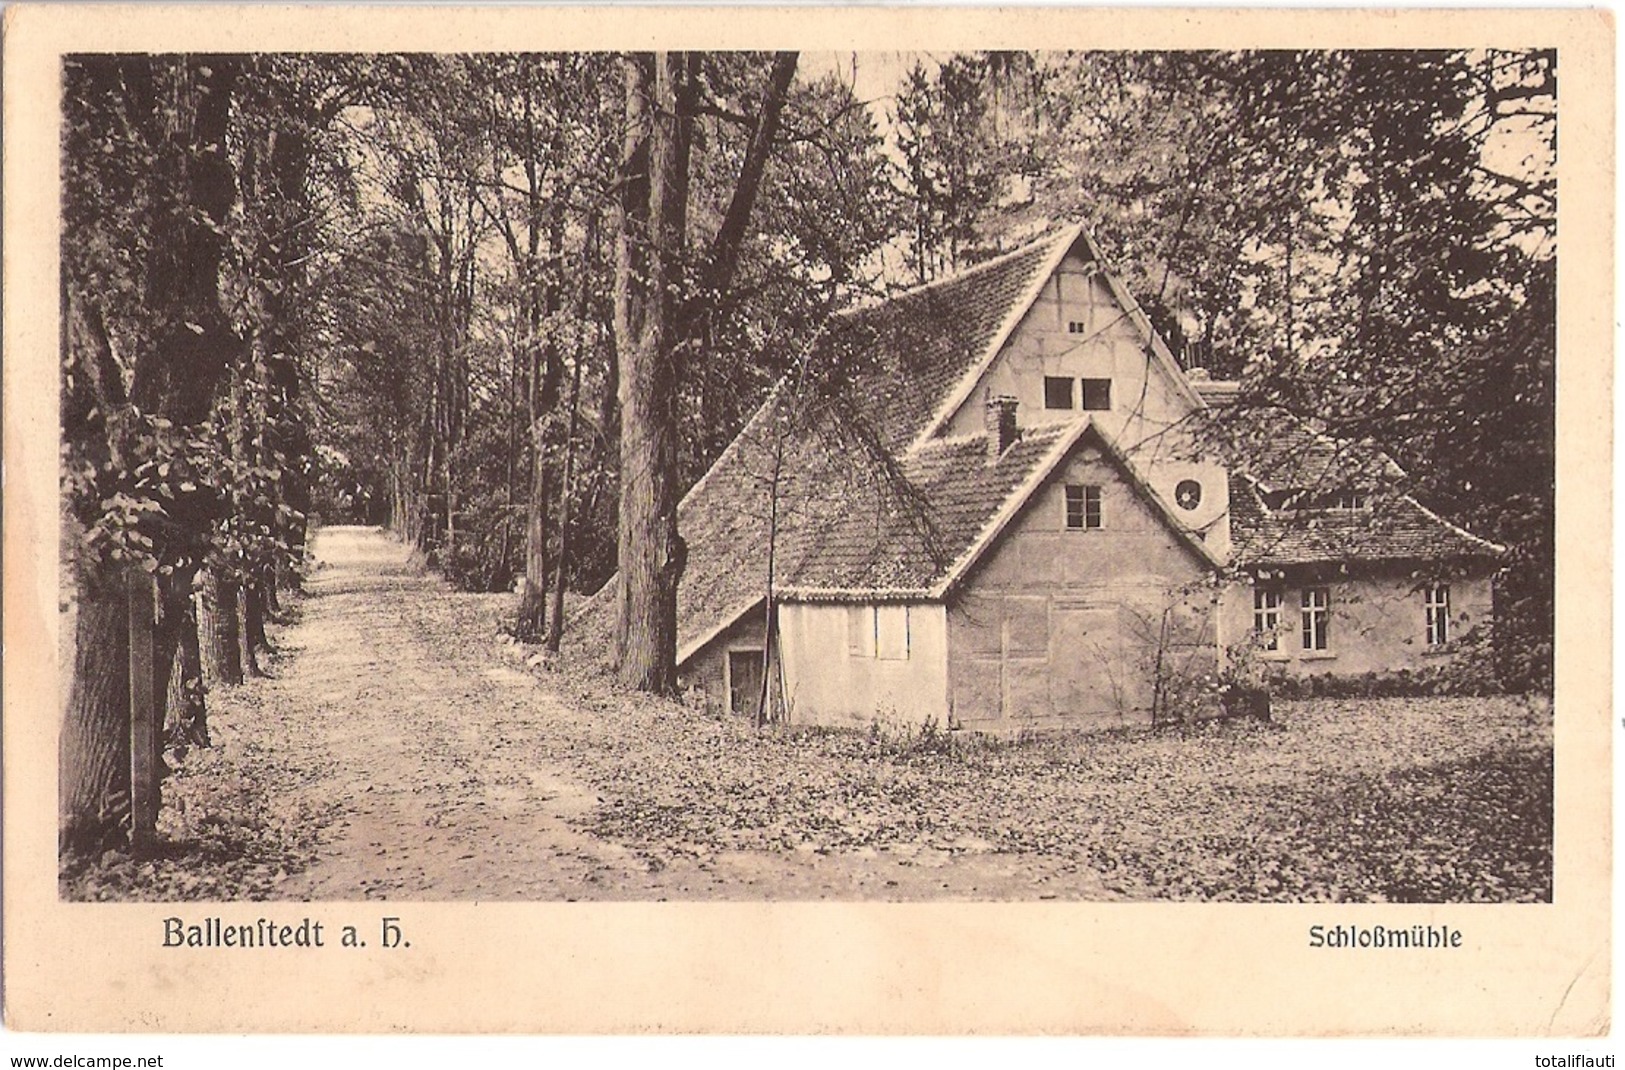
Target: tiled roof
[(908, 546), (1281, 455), (902, 358), (911, 351)]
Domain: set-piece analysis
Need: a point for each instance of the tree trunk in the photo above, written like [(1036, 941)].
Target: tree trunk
[(258, 604), (647, 256), (250, 622), (186, 716), (533, 602), (651, 327), (769, 601), (176, 376), (544, 398), (217, 625), (724, 257), (555, 628), (94, 752)]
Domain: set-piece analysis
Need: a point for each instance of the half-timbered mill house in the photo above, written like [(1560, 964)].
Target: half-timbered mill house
[(1014, 520)]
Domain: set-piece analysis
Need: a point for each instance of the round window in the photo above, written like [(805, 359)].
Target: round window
[(1188, 494)]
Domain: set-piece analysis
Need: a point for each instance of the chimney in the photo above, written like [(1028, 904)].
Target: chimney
[(1001, 425)]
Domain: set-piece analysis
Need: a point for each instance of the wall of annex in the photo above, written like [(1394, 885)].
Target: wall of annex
[(832, 677), (1376, 624)]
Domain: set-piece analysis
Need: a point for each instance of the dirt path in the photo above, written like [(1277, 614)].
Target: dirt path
[(430, 747)]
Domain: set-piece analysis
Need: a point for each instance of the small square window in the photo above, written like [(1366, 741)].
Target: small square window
[(1057, 392), (1097, 395), (1083, 511), (1075, 327)]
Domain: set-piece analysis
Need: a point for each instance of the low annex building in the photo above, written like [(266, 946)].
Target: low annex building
[(1010, 519)]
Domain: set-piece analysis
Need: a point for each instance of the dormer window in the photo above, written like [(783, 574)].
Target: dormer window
[(1057, 392), (1300, 499), (1097, 395)]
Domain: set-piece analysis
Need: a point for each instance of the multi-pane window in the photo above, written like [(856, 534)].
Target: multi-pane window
[(1317, 608), (1057, 392), (1097, 395), (1076, 327), (1082, 507), (1267, 616), (1437, 601)]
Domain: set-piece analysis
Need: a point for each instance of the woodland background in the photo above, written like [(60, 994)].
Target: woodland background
[(513, 305)]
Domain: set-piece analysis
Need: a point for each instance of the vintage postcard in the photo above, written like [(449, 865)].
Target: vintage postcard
[(891, 521)]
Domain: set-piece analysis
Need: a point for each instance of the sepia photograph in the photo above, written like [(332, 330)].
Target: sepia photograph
[(986, 475), (774, 515)]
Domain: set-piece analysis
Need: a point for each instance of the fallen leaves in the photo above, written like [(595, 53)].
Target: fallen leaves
[(1408, 800), (1430, 799)]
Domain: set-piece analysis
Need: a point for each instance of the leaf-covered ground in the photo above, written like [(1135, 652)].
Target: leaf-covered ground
[(237, 817), (404, 749), (1415, 800)]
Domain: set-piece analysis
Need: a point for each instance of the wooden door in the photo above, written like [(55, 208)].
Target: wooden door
[(744, 680)]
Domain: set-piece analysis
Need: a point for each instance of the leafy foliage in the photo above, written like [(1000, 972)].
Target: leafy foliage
[(1366, 239)]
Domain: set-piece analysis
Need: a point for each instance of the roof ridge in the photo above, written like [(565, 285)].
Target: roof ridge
[(1063, 241), (1048, 429), (963, 273)]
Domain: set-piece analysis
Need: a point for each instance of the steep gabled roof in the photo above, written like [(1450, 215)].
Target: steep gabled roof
[(1045, 256), (906, 548), (970, 504), (916, 350), (902, 357)]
